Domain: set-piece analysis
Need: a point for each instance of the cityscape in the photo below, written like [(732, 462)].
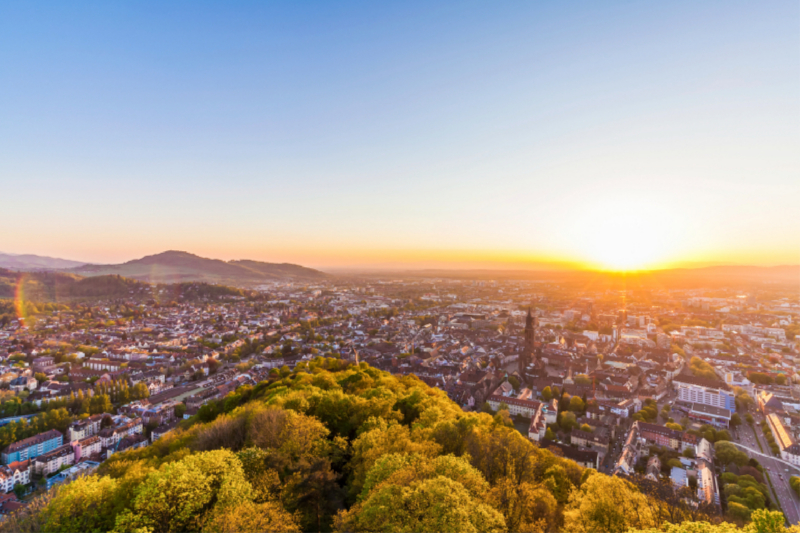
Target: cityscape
[(433, 267)]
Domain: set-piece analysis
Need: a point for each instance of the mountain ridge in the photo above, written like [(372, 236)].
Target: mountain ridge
[(26, 262), (177, 266)]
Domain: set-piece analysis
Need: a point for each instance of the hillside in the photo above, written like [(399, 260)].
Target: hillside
[(174, 266), (60, 287), (35, 262), (332, 446)]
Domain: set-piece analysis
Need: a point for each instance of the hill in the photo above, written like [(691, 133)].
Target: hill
[(332, 446), (174, 266), (61, 287), (35, 262)]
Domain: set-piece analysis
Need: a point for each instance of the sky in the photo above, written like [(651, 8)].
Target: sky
[(614, 135)]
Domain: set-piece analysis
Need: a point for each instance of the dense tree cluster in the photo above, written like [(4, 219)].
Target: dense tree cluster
[(332, 447)]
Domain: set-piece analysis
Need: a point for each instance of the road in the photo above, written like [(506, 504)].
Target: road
[(747, 438)]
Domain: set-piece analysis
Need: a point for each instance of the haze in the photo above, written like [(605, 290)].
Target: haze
[(601, 135)]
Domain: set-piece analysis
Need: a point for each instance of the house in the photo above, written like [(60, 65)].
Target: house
[(23, 383), (16, 473)]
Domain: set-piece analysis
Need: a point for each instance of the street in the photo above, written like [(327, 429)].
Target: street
[(778, 472)]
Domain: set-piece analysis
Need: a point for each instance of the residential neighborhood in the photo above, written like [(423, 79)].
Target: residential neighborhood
[(642, 384)]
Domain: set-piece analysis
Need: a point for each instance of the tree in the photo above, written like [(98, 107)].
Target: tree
[(87, 504), (180, 410), (249, 516), (434, 503), (140, 391), (674, 463), (525, 506), (606, 504), (568, 421), (586, 427), (726, 453), (547, 394), (514, 381), (313, 492), (182, 495), (576, 404), (19, 490), (736, 420), (40, 377), (100, 403)]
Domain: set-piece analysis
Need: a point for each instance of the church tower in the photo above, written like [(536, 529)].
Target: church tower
[(527, 355)]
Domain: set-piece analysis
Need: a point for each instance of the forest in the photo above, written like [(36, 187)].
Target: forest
[(334, 446)]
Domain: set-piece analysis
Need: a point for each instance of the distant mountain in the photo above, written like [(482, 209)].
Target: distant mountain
[(174, 266), (30, 262)]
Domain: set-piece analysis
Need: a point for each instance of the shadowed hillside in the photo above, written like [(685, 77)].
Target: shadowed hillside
[(173, 266)]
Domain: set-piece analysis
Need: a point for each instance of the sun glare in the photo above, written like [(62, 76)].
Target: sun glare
[(627, 236)]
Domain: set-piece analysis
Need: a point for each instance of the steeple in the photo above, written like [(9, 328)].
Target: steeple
[(527, 355)]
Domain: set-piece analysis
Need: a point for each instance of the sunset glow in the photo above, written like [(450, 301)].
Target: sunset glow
[(406, 136)]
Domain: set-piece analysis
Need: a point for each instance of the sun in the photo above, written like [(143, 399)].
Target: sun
[(626, 236)]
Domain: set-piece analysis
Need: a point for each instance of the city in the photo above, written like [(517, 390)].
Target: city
[(643, 383), (395, 267)]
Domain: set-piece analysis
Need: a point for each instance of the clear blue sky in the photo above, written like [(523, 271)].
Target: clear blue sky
[(342, 133)]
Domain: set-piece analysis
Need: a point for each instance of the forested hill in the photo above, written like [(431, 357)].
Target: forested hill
[(346, 448), (175, 266), (42, 287)]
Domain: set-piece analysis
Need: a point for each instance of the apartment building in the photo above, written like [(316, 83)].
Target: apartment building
[(704, 391), (32, 446)]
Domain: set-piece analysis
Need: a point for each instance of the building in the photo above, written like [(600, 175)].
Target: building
[(201, 398), (704, 391), (768, 402), (32, 446), (709, 414), (85, 428), (87, 447), (84, 468), (589, 439), (653, 471), (585, 458), (528, 356), (111, 436), (23, 383), (17, 473), (526, 408), (547, 413), (707, 488), (50, 462), (790, 450)]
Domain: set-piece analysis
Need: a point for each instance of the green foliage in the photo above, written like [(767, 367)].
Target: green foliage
[(701, 369), (349, 448), (727, 453)]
